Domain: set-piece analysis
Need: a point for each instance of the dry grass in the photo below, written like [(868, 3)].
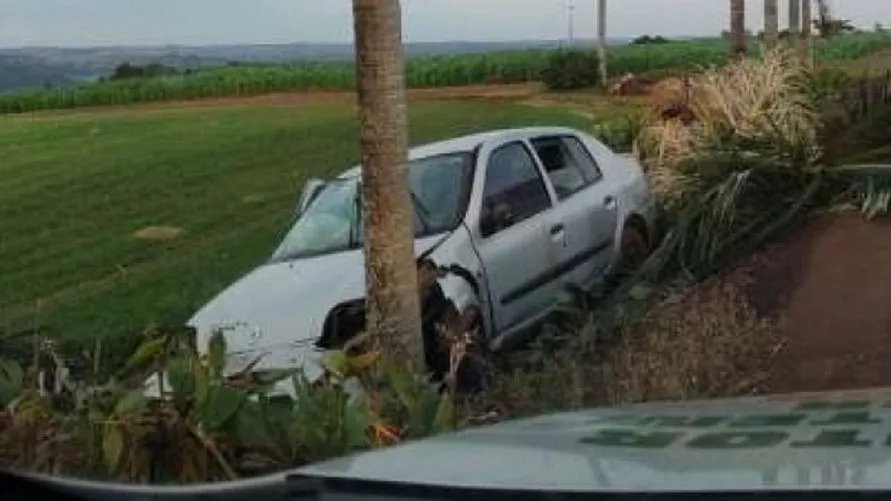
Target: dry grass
[(705, 343), (709, 343)]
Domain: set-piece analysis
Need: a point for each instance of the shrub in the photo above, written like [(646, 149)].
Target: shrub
[(200, 425), (570, 69), (649, 40), (749, 165), (825, 84), (759, 110), (620, 134)]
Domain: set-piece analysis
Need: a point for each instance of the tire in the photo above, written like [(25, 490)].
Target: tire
[(634, 251)]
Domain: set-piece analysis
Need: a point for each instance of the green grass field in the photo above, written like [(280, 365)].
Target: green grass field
[(421, 72), (77, 185)]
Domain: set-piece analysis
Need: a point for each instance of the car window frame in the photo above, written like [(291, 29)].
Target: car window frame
[(539, 173), (586, 176), (586, 151)]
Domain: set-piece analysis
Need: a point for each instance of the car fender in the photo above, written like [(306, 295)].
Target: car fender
[(634, 199), (461, 277)]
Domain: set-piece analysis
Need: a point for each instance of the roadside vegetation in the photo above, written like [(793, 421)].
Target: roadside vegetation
[(749, 161), (438, 71)]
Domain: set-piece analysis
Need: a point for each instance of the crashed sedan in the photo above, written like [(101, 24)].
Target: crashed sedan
[(507, 219)]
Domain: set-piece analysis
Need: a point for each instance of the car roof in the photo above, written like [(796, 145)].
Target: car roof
[(470, 142)]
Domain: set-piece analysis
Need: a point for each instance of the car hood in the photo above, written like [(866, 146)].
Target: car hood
[(278, 309), (805, 441)]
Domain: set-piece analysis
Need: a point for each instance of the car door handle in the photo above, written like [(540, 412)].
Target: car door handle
[(557, 229), (609, 201)]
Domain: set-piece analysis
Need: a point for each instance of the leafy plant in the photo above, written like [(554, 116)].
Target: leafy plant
[(193, 428), (620, 134), (11, 381), (825, 84), (869, 187)]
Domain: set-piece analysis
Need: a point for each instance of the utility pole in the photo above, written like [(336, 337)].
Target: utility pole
[(571, 27), (601, 42)]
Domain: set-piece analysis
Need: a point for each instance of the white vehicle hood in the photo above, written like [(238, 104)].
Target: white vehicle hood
[(828, 441), (278, 309)]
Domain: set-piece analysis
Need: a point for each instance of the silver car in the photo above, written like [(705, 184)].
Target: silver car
[(513, 215)]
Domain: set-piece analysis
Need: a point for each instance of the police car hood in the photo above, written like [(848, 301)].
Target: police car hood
[(804, 441)]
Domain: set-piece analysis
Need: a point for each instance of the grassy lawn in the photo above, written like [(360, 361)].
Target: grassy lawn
[(75, 186)]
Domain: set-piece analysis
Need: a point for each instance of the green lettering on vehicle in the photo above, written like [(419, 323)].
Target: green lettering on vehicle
[(737, 440), (630, 438), (848, 418), (618, 419), (833, 438), (830, 406), (683, 421), (759, 420)]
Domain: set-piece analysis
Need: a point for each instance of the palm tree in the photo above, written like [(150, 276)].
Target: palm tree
[(393, 310), (771, 23), (738, 28), (806, 20), (828, 25), (601, 41), (794, 20)]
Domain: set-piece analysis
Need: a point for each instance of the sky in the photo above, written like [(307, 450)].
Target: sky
[(200, 22)]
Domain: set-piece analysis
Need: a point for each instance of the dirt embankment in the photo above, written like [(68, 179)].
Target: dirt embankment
[(830, 283)]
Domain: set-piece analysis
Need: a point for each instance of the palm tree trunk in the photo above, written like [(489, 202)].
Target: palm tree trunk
[(771, 24), (601, 42), (738, 28), (823, 16), (393, 310), (806, 22), (794, 21)]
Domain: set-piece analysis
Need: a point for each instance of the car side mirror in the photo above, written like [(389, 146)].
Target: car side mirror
[(310, 190)]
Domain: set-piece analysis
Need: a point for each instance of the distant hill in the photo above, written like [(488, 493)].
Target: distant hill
[(21, 71), (42, 66)]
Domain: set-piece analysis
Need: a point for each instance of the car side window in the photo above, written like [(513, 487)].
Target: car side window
[(584, 158), (569, 166), (514, 189)]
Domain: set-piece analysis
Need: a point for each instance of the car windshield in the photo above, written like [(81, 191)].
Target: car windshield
[(332, 221)]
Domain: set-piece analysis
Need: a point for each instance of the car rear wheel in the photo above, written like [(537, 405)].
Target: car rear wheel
[(634, 251)]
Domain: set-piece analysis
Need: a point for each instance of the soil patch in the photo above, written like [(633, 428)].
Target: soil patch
[(157, 233), (830, 283), (319, 97)]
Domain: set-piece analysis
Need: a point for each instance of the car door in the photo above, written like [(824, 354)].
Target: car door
[(517, 254), (586, 208)]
